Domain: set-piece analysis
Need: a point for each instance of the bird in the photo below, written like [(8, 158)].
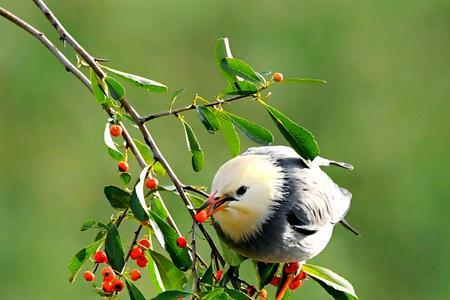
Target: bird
[(273, 206)]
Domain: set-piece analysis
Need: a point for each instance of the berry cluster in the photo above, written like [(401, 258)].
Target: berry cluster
[(290, 269), (138, 253)]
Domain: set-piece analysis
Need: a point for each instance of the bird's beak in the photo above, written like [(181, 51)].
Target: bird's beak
[(214, 204)]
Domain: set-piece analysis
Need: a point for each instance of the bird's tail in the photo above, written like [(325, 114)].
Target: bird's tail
[(349, 227)]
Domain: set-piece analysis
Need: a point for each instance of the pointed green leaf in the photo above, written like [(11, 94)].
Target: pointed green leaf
[(253, 131), (236, 295), (240, 69), (112, 148), (222, 49), (97, 90), (240, 88), (159, 169), (179, 256), (208, 118), (230, 134), (298, 137), (173, 295), (125, 177), (155, 276), (174, 97), (198, 158), (171, 276), (148, 84), (145, 151), (231, 256), (114, 249), (208, 276), (334, 284), (137, 203), (116, 89), (117, 197), (265, 272), (304, 80), (133, 291), (77, 261), (158, 208), (93, 224)]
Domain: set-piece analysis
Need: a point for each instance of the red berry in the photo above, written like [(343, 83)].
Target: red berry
[(142, 261), (250, 291), (295, 284), (135, 274), (201, 216), (275, 280), (108, 287), (108, 274), (151, 183), (290, 268), (89, 276), (115, 130), (145, 244), (301, 276), (277, 76), (117, 285), (100, 257), (123, 166), (136, 253), (218, 275), (181, 242)]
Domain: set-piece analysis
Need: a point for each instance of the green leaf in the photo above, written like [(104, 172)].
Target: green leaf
[(173, 295), (241, 88), (117, 197), (230, 134), (222, 49), (159, 169), (145, 151), (208, 276), (158, 208), (236, 295), (155, 276), (179, 256), (114, 249), (217, 294), (77, 261), (198, 158), (89, 224), (334, 284), (241, 69), (137, 203), (97, 90), (125, 177), (231, 256), (304, 80), (133, 291), (196, 200), (208, 118), (265, 272), (174, 97), (148, 84), (116, 89), (298, 137), (253, 131), (172, 277), (112, 148)]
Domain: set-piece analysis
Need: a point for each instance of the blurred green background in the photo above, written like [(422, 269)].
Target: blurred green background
[(385, 109)]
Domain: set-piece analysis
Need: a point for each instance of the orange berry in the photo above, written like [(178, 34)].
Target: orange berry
[(142, 261), (108, 274), (290, 268), (218, 275), (250, 291), (151, 183), (277, 76), (295, 284), (123, 166), (136, 253), (144, 244), (135, 274), (117, 285), (89, 276), (100, 257), (201, 216), (115, 130), (275, 280), (108, 287), (181, 242)]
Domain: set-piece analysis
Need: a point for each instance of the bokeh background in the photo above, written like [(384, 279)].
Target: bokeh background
[(385, 109)]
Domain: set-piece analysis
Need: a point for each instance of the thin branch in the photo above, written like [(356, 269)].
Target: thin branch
[(134, 242), (196, 190), (194, 250), (65, 35), (191, 107)]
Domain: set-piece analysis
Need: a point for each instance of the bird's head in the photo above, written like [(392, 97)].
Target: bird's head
[(244, 193)]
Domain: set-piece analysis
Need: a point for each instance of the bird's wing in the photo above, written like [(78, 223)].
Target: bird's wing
[(316, 201)]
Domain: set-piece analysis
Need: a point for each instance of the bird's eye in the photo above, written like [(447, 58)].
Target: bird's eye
[(241, 191)]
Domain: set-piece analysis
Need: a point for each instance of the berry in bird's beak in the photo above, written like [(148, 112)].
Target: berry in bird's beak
[(201, 216), (214, 204)]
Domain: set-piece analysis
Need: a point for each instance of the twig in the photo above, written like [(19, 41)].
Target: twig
[(191, 107), (136, 235), (195, 190), (90, 60), (194, 266)]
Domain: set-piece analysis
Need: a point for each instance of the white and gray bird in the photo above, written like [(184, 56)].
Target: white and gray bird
[(270, 205)]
